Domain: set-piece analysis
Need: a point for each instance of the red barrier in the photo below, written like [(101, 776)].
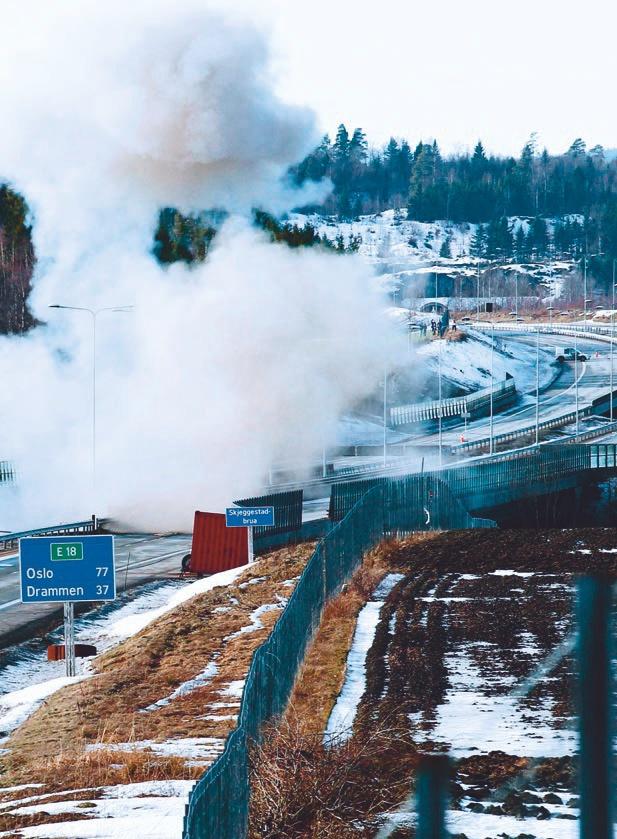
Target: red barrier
[(215, 546), (56, 652)]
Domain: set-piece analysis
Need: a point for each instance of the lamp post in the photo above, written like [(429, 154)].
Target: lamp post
[(576, 376), (440, 409), (491, 398), (612, 338), (385, 408), (94, 313), (585, 291), (537, 384)]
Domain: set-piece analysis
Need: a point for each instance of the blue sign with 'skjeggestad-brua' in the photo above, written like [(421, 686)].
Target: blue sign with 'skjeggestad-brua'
[(249, 516), (61, 569)]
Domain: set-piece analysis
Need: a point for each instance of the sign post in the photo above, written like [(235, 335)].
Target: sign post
[(249, 517), (68, 570)]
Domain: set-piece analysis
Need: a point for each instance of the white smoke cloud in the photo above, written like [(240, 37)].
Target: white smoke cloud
[(111, 111)]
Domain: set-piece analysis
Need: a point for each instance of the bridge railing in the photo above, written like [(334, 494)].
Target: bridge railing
[(530, 466), (471, 403)]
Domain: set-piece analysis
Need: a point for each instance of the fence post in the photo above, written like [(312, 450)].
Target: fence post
[(595, 696), (432, 796)]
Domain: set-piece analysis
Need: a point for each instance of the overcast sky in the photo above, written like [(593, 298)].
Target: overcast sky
[(451, 70)]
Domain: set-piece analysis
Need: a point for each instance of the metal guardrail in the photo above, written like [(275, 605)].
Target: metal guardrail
[(219, 803), (452, 407), (524, 431), (8, 474), (9, 540), (602, 333)]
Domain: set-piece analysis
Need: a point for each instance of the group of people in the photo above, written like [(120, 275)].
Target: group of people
[(438, 327)]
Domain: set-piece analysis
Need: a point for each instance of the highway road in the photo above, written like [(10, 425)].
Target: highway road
[(593, 377), (140, 558), (146, 557)]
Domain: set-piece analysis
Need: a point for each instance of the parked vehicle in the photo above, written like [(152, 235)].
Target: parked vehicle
[(569, 354)]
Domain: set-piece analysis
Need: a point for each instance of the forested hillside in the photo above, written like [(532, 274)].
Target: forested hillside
[(568, 202), (578, 187)]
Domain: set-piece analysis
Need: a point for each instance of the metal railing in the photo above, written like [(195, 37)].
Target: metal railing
[(524, 431), (219, 803), (9, 540), (472, 403), (7, 472)]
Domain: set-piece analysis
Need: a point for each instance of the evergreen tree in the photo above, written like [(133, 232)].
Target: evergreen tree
[(520, 244), (478, 244), (445, 252)]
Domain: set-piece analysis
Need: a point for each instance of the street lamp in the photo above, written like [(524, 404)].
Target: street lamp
[(537, 384), (94, 314), (565, 314), (492, 382), (440, 409), (585, 291), (612, 338), (385, 409)]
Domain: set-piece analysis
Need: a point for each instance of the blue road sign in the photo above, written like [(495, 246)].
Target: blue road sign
[(61, 569), (249, 516)]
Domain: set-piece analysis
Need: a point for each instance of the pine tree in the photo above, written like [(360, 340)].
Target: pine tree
[(478, 244), (520, 243), (445, 252)]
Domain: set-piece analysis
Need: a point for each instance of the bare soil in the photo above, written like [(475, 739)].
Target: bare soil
[(506, 624)]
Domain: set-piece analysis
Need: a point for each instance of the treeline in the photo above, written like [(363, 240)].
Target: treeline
[(188, 239), (476, 188)]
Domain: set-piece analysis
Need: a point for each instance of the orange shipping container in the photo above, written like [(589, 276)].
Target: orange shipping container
[(215, 546)]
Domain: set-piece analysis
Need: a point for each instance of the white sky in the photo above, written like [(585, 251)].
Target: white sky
[(453, 70)]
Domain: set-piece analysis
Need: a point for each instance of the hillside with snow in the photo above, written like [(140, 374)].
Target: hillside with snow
[(407, 256)]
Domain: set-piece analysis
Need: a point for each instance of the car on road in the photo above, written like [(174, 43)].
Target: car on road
[(569, 354)]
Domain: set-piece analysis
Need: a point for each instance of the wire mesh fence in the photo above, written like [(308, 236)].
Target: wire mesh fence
[(218, 806)]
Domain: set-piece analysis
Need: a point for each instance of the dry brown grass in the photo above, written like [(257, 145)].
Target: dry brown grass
[(457, 336), (302, 790), (322, 674), (50, 746), (321, 677)]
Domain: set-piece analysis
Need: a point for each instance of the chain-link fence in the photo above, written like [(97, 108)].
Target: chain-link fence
[(218, 806)]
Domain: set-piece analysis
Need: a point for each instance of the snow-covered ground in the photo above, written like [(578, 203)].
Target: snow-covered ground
[(340, 722), (28, 679), (404, 250), (467, 364), (153, 810), (156, 809)]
